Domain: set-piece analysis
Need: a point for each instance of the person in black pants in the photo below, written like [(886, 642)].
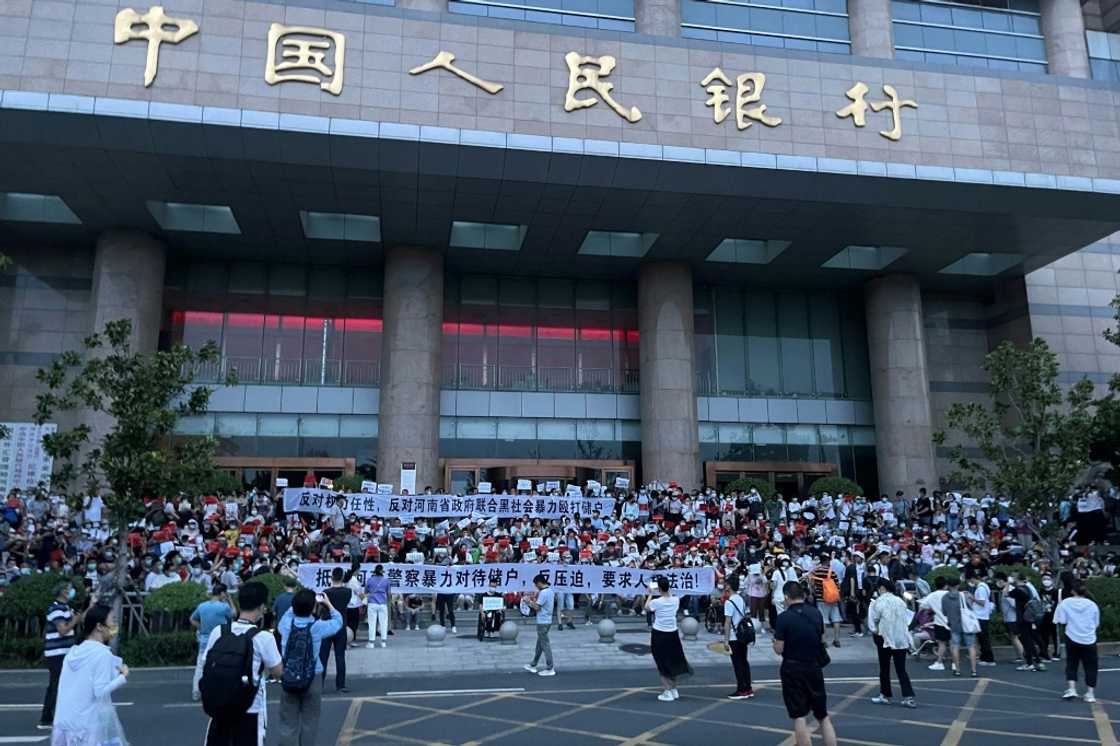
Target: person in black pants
[(889, 619), (445, 605), (339, 596), (1028, 635), (61, 621), (734, 610)]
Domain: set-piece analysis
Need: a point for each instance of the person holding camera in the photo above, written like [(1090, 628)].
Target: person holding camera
[(738, 638), (302, 632)]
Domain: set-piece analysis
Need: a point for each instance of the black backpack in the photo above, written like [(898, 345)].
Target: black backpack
[(227, 685), (299, 661), (744, 630)]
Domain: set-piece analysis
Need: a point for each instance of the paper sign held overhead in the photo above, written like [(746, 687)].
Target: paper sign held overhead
[(369, 487), (552, 484), (384, 489), (280, 482), (484, 488), (524, 484), (622, 483)]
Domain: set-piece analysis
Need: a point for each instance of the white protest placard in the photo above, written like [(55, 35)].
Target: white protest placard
[(574, 491), (209, 509), (524, 485), (384, 489), (518, 578), (408, 477), (326, 484), (463, 523), (23, 462), (535, 541), (281, 482), (552, 484), (484, 488), (622, 483), (414, 558), (187, 551), (166, 547), (231, 511), (493, 603), (369, 487)]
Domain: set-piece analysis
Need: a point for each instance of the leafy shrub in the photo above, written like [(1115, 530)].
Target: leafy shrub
[(30, 595), (175, 598), (222, 482), (834, 486), (167, 649), (765, 489), (348, 483), (20, 652), (275, 585), (1106, 593), (942, 572)]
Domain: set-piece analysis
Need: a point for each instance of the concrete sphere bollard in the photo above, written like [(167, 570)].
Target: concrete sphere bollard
[(508, 632), (436, 634), (690, 627), (606, 630)]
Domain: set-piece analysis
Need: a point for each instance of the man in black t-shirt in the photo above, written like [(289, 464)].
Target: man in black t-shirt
[(339, 596), (799, 639)]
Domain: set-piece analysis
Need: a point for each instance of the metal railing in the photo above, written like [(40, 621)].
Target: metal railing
[(479, 377), (314, 371)]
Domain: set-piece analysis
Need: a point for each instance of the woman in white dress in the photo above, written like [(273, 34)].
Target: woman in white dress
[(85, 715), (665, 642)]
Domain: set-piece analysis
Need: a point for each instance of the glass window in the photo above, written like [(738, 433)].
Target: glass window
[(731, 374), (582, 13), (200, 327), (704, 341), (793, 328), (282, 359), (828, 352), (241, 344), (362, 352), (762, 343)]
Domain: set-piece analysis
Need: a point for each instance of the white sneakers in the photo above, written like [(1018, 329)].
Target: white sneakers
[(1070, 694), (371, 645), (454, 631), (530, 668), (937, 666), (1089, 697), (675, 693), (666, 696), (547, 672)]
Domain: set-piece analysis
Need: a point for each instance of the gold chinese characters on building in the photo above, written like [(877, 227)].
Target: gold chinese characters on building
[(156, 29), (303, 54)]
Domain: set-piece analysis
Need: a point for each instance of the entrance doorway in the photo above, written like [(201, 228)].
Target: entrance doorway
[(262, 473), (463, 475), (788, 478)]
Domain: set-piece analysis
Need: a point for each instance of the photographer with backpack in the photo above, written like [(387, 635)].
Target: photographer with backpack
[(738, 634), (238, 655), (302, 632)]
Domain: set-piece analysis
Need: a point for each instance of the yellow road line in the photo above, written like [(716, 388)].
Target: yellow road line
[(844, 704), (643, 738), (957, 729), (528, 726), (1104, 725)]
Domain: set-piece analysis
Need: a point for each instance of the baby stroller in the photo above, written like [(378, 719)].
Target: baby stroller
[(921, 633)]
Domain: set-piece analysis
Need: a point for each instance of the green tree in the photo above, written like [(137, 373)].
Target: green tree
[(1107, 445), (5, 262), (1030, 441), (145, 395)]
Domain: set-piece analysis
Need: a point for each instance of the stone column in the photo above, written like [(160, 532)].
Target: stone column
[(657, 17), (670, 430), (869, 25), (1063, 27), (128, 269), (900, 385), (408, 423)]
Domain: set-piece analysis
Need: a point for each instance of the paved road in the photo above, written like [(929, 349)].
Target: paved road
[(620, 707)]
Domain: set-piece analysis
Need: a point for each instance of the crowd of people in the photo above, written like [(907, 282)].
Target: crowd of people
[(858, 561)]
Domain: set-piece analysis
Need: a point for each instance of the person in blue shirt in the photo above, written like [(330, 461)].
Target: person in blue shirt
[(214, 612), (299, 713)]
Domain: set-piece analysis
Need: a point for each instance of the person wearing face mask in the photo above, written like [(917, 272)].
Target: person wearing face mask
[(783, 574), (1047, 631), (889, 621), (61, 621), (90, 674)]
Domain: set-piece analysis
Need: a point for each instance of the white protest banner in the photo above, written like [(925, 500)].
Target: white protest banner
[(518, 578), (441, 506), (369, 487), (281, 482)]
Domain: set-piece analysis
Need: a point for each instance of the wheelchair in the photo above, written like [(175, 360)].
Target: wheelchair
[(489, 622), (713, 619)]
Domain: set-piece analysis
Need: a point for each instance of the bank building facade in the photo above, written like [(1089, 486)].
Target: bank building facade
[(487, 240)]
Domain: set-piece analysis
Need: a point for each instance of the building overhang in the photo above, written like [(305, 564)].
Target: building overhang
[(107, 163)]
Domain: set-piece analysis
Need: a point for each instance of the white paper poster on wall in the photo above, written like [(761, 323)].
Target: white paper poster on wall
[(23, 462), (408, 477)]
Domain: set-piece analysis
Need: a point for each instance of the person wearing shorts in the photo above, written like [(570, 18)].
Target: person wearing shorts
[(830, 612), (798, 634), (952, 605)]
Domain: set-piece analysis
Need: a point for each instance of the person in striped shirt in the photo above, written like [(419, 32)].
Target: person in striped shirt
[(61, 621)]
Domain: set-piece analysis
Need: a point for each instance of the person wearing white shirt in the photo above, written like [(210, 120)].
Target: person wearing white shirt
[(889, 622), (982, 606), (1081, 617), (665, 641), (940, 623)]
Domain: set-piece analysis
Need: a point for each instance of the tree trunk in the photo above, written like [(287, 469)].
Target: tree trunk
[(119, 583)]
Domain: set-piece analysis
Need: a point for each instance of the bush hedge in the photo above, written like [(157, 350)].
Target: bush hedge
[(175, 598), (30, 595), (274, 583), (834, 486), (165, 649), (942, 572), (1106, 593), (20, 652), (348, 483)]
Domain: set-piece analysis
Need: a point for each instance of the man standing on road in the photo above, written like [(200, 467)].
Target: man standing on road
[(826, 590), (799, 639), (339, 594), (299, 711), (61, 621), (735, 611), (544, 604), (214, 612)]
